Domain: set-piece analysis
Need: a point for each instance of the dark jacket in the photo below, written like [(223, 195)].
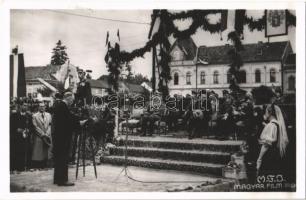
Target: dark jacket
[(20, 148), (64, 125)]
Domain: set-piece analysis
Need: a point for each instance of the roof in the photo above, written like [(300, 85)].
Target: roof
[(44, 72), (102, 82), (98, 83), (257, 52), (291, 59), (135, 88), (290, 62), (187, 46)]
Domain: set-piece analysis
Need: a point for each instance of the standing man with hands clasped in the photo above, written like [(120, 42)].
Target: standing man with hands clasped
[(64, 125), (42, 141)]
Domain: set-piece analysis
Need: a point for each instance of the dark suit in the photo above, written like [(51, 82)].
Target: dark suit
[(20, 148), (83, 92), (64, 124)]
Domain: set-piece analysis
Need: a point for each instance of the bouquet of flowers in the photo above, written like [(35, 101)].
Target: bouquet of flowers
[(233, 165)]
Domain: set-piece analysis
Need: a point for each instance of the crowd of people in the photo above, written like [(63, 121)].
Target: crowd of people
[(263, 127), (41, 138), (30, 132), (40, 132), (207, 115)]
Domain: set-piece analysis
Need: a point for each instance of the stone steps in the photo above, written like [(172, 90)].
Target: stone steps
[(184, 144), (174, 154), (167, 164), (205, 156)]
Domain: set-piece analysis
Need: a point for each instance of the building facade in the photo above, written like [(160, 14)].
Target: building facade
[(50, 74), (99, 88), (196, 68)]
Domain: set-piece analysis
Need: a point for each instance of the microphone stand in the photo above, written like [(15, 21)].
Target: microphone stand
[(125, 168), (82, 147)]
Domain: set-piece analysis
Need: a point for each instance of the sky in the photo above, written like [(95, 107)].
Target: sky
[(37, 31)]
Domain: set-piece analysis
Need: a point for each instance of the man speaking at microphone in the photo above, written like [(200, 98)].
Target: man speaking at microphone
[(64, 125)]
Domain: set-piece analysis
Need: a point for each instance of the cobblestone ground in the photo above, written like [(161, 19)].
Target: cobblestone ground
[(111, 180)]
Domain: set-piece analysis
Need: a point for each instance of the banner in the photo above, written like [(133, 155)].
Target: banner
[(17, 76), (276, 23)]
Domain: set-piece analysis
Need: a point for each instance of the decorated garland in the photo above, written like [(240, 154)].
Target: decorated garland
[(236, 60), (199, 20), (115, 58), (258, 24)]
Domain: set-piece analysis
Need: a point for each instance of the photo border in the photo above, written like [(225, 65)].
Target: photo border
[(142, 4)]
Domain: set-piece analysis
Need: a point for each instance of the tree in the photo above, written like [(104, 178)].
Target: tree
[(135, 79), (139, 78), (129, 72), (59, 55), (262, 95)]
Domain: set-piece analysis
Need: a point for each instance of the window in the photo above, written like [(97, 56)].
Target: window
[(176, 55), (176, 78), (257, 76), (188, 78), (242, 77), (272, 75), (291, 83), (216, 77), (202, 77), (229, 77), (259, 52)]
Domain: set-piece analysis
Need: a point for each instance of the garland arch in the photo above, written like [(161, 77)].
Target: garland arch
[(114, 57)]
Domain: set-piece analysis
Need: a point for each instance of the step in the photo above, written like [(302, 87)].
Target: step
[(173, 154), (196, 167), (228, 146)]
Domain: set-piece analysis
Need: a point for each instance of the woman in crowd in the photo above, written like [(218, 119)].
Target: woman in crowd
[(274, 141)]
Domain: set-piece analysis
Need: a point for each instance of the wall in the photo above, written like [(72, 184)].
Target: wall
[(32, 87), (249, 68), (100, 92)]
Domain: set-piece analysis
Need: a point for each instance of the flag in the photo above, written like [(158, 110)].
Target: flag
[(107, 36), (17, 75), (67, 83), (118, 35), (224, 16)]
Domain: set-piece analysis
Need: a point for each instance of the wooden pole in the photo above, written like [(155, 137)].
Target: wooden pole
[(153, 69)]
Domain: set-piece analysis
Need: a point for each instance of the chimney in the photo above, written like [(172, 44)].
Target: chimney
[(259, 49)]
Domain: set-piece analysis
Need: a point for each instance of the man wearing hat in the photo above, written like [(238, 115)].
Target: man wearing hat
[(83, 93), (42, 137), (64, 125)]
